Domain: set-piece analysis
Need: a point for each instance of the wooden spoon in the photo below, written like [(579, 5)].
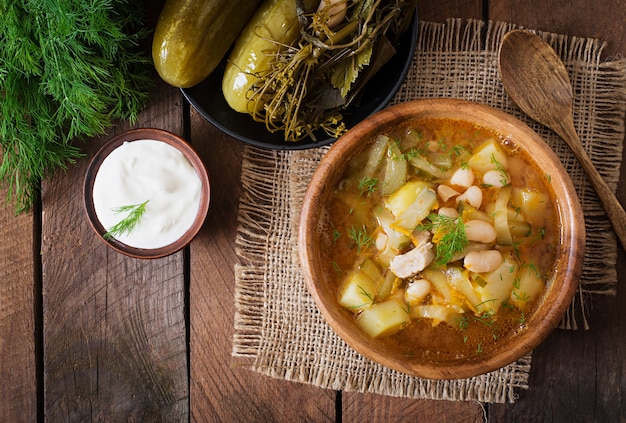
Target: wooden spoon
[(536, 79)]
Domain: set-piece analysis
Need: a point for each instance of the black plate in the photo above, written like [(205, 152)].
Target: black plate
[(208, 100)]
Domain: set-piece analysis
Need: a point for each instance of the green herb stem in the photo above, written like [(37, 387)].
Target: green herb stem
[(450, 237), (360, 238), (129, 223)]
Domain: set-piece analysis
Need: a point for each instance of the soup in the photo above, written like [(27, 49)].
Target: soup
[(441, 236)]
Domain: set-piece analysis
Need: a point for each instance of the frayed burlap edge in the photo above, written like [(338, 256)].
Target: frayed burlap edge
[(277, 327)]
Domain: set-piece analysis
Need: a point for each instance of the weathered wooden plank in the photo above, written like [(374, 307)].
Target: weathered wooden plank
[(219, 391), (576, 376), (114, 328), (18, 301), (440, 10), (603, 19), (367, 407)]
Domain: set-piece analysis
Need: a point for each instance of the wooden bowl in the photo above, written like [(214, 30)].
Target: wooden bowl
[(195, 161), (560, 287)]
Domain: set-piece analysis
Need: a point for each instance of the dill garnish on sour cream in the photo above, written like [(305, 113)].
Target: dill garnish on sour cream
[(154, 174)]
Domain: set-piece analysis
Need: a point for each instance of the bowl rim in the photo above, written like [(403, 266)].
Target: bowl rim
[(193, 95), (571, 233), (147, 134)]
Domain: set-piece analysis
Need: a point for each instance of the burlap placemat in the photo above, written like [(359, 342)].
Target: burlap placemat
[(278, 330)]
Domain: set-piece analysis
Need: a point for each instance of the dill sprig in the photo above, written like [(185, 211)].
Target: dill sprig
[(360, 237), (69, 69), (129, 223), (449, 236), (505, 178), (367, 186)]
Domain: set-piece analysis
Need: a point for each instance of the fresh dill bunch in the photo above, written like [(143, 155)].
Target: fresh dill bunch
[(68, 70), (449, 236), (129, 223)]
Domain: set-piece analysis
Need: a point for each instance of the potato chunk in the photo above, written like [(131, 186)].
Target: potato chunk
[(528, 287), (358, 291), (384, 319), (532, 204), (438, 314), (417, 211), (400, 200), (488, 156), (499, 285)]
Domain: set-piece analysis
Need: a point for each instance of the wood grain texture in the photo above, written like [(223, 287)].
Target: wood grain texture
[(378, 408), (18, 281), (114, 327), (565, 385), (604, 19), (219, 391), (440, 10)]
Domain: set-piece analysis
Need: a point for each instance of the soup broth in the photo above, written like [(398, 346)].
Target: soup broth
[(441, 238)]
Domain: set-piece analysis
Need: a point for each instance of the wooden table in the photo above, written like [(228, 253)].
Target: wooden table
[(89, 335)]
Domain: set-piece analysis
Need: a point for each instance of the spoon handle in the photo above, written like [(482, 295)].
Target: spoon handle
[(612, 206)]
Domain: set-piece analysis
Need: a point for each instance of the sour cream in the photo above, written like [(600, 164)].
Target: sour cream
[(153, 171)]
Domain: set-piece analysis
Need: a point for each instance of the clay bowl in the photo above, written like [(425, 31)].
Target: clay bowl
[(188, 152), (560, 287)]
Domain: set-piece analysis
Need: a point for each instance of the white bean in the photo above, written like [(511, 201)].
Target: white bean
[(463, 177), (482, 261), (480, 231), (473, 246), (496, 178), (448, 212), (381, 241), (472, 196), (445, 192), (416, 291)]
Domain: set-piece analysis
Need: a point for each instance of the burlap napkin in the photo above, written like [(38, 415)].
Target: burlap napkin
[(278, 330)]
